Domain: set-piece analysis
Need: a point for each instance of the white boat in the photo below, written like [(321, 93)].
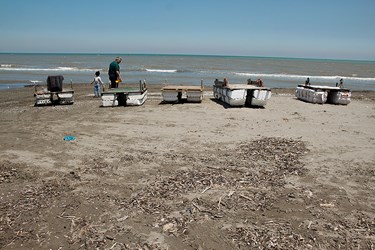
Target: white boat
[(178, 93), (241, 94), (323, 94), (54, 93), (45, 97), (125, 96)]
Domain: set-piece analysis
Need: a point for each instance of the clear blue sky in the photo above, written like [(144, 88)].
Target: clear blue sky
[(338, 29)]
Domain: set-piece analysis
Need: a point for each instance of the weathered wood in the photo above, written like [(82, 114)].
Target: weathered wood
[(179, 88)]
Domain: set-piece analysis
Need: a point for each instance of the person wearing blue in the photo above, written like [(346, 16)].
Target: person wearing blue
[(114, 72), (97, 84)]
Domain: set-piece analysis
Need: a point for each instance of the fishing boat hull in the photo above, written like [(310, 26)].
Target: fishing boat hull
[(45, 98), (242, 95), (323, 94), (136, 99), (123, 98), (311, 95), (175, 94), (339, 97)]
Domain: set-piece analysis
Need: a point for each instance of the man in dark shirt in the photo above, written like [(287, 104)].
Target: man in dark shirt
[(114, 72)]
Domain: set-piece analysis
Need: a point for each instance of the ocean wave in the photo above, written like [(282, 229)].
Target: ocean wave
[(162, 70), (6, 65), (302, 77), (58, 69)]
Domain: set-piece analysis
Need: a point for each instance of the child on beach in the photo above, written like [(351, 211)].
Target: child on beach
[(341, 84), (97, 83)]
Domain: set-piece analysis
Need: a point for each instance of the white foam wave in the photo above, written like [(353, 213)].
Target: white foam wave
[(162, 70), (6, 65), (58, 69), (302, 77)]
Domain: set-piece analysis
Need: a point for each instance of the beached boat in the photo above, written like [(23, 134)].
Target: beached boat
[(54, 94), (179, 93), (241, 94), (125, 96), (323, 94)]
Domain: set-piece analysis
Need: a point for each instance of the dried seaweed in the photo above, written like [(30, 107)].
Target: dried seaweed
[(247, 180)]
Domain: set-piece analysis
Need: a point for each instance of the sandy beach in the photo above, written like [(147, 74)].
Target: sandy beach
[(292, 175)]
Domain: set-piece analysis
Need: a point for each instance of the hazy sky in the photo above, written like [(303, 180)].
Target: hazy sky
[(338, 29)]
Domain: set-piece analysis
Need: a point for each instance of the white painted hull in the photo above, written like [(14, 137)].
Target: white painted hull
[(242, 96), (260, 97), (170, 96), (311, 95), (191, 94), (109, 100), (132, 99), (43, 101), (339, 97), (46, 98), (65, 98), (323, 94), (194, 96), (136, 99)]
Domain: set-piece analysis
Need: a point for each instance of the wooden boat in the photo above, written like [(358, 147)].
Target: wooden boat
[(54, 94), (241, 94), (125, 96), (178, 93), (323, 94)]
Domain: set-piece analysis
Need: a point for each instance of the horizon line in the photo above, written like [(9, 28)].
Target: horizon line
[(182, 54)]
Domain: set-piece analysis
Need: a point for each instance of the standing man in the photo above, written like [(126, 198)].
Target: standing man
[(114, 72)]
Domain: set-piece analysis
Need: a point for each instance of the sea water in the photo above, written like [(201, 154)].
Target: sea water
[(18, 70)]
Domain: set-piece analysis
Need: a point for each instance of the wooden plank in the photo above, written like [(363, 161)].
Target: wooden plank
[(123, 90), (244, 86), (182, 88), (318, 87)]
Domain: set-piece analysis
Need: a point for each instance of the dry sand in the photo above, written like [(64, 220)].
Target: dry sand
[(293, 175)]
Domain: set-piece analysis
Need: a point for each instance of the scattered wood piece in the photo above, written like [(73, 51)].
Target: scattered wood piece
[(69, 217), (245, 197), (109, 237), (207, 188), (327, 205), (196, 206), (122, 218), (218, 216)]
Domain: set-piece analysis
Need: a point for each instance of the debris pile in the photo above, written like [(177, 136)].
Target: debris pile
[(246, 178), (270, 235), (10, 172)]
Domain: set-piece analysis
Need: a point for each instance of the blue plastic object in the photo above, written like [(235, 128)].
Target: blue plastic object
[(69, 138)]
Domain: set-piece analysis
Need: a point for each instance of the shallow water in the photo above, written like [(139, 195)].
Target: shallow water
[(17, 70)]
